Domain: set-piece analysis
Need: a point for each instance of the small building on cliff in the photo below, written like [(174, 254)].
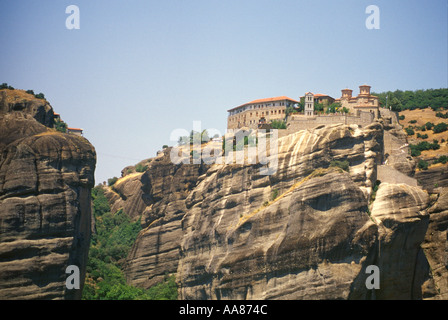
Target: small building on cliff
[(262, 110), (76, 131)]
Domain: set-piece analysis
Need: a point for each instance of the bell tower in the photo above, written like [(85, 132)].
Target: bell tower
[(347, 94), (309, 104), (364, 90)]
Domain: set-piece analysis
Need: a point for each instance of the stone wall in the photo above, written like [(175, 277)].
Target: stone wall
[(301, 122)]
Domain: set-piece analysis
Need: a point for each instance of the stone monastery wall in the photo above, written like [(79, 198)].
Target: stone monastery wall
[(301, 122)]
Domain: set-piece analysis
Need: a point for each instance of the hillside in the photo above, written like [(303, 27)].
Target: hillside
[(416, 120)]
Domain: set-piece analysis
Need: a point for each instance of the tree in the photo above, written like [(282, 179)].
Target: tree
[(396, 105), (40, 96), (289, 110), (301, 105), (429, 125), (319, 107), (441, 127), (409, 131), (110, 245), (60, 126), (422, 164), (112, 181), (333, 108)]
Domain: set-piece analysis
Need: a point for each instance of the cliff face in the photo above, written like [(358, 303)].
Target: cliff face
[(45, 182), (308, 231)]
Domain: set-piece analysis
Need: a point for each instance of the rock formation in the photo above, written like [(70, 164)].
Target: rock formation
[(45, 210), (308, 231)]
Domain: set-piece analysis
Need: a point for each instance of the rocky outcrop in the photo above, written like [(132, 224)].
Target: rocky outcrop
[(179, 197), (14, 101), (307, 231), (401, 212), (164, 189), (45, 214), (396, 149), (127, 194), (434, 177), (298, 246), (435, 249)]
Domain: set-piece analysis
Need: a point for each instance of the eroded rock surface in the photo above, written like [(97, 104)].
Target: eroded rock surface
[(45, 210), (308, 231)]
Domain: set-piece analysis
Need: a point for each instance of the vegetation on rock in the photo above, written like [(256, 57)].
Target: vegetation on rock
[(400, 100), (110, 245)]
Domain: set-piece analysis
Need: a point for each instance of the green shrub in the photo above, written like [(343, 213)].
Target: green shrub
[(274, 194), (441, 127), (278, 124), (442, 115), (115, 234), (374, 190), (422, 164), (401, 117), (112, 181), (60, 126), (416, 149), (344, 165), (99, 200), (409, 131), (140, 168), (40, 96), (422, 136), (6, 86), (442, 159), (413, 121), (429, 125)]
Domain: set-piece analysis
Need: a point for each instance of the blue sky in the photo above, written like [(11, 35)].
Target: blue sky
[(137, 70)]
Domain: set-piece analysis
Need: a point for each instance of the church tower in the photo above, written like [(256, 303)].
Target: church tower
[(309, 104), (364, 90)]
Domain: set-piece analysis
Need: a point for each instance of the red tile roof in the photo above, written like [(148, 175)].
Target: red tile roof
[(266, 100), (271, 100), (74, 129), (317, 95)]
